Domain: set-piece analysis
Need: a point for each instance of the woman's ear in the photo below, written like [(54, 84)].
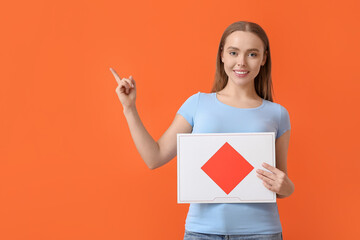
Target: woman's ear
[(264, 59)]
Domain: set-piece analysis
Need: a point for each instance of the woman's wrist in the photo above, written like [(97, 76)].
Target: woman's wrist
[(289, 190), (129, 110)]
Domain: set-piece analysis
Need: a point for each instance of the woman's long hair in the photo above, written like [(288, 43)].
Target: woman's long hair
[(262, 82)]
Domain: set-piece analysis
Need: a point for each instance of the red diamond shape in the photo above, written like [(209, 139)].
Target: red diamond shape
[(227, 168)]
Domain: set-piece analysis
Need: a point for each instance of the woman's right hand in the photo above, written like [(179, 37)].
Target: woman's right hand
[(126, 90)]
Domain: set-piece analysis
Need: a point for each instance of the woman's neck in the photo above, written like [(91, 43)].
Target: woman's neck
[(244, 92)]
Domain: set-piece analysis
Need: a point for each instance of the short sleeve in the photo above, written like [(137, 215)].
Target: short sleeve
[(284, 122), (189, 107)]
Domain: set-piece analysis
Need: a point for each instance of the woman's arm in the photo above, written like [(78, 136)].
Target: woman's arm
[(282, 146), (278, 181), (155, 154)]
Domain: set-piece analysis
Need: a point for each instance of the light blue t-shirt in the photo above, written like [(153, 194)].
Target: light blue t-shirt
[(208, 115)]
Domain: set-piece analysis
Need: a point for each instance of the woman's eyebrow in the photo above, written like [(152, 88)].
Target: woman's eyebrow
[(251, 49)]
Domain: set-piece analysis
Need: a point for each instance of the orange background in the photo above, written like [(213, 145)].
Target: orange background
[(68, 166)]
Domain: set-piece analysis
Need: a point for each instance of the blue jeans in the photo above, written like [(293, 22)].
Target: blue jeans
[(203, 236)]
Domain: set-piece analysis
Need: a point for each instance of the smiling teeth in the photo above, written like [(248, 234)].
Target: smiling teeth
[(240, 72)]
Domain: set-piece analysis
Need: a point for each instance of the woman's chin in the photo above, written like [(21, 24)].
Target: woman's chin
[(242, 81)]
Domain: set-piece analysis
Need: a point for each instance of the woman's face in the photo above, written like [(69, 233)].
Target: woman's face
[(243, 55)]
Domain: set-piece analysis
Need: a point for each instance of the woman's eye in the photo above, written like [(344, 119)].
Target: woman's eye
[(253, 54), (231, 53)]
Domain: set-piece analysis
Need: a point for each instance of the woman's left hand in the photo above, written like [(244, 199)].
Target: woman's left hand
[(276, 180)]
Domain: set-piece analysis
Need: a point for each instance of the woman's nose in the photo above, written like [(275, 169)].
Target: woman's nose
[(241, 61)]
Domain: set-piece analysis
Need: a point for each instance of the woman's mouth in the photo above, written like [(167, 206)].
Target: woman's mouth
[(241, 73)]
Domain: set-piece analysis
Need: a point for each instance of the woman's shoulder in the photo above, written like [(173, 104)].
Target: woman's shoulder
[(279, 110), (205, 93), (200, 94), (274, 104)]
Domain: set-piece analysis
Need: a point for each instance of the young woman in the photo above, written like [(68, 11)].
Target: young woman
[(240, 101)]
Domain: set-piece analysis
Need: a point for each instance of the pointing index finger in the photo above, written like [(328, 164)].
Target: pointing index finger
[(115, 75)]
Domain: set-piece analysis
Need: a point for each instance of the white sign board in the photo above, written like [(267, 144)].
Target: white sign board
[(221, 167)]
